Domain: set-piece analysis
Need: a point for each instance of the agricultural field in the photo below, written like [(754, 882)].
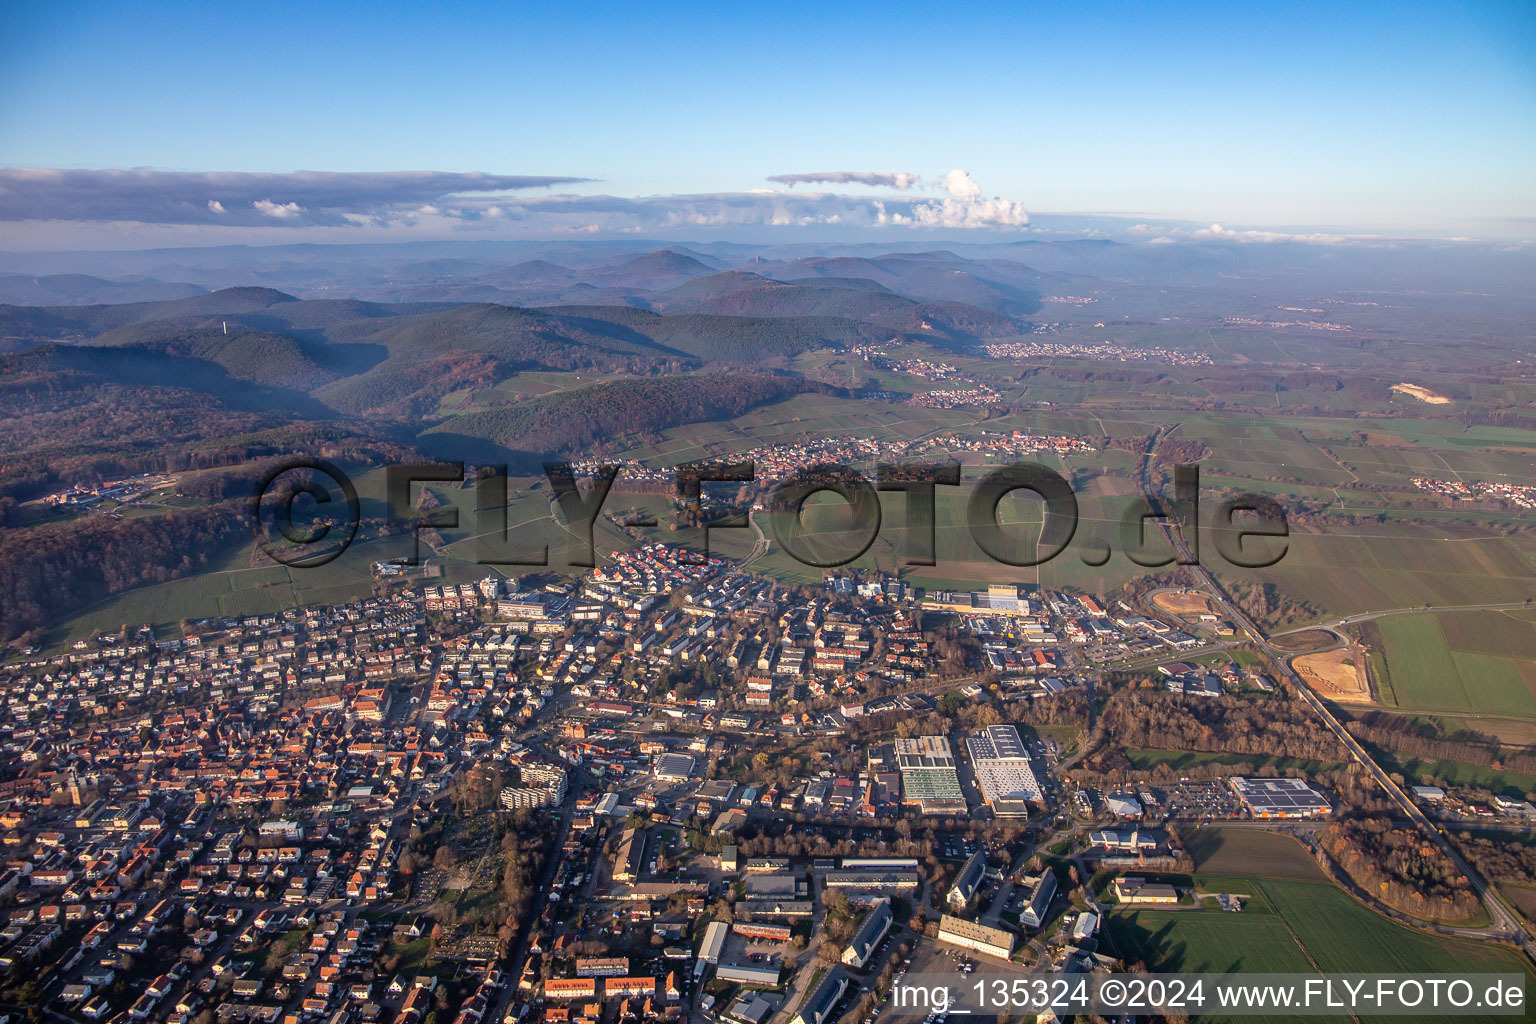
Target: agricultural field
[(1522, 896), (1339, 570), (1466, 663), (1292, 925), (1248, 852)]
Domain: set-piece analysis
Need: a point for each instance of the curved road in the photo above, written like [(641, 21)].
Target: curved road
[(1332, 624)]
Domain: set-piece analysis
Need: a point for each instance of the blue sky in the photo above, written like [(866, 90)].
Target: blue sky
[(1399, 118)]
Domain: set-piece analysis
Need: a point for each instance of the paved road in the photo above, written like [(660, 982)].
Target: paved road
[(760, 547), (1347, 620)]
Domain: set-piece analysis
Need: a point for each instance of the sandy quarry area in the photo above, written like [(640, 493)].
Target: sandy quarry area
[(1422, 394), (1189, 604), (1338, 675)]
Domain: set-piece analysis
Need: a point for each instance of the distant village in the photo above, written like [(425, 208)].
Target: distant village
[(1519, 495)]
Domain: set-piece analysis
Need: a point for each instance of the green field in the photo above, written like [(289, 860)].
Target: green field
[(1146, 760), (1435, 771), (1248, 851), (1340, 569), (1300, 926), (1427, 674)]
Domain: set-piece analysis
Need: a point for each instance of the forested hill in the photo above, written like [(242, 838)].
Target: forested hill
[(569, 421)]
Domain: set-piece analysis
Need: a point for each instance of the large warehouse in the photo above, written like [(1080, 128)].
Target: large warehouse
[(714, 943), (673, 767), (1280, 798), (629, 857), (928, 776), (1001, 762)]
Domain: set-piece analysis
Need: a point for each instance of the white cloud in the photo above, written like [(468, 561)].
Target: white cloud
[(962, 186), (215, 206), (281, 211)]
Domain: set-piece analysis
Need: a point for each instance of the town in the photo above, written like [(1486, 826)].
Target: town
[(668, 790)]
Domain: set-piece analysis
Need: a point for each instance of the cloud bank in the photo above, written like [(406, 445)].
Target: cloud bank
[(881, 179), (1160, 235), (301, 199), (425, 202)]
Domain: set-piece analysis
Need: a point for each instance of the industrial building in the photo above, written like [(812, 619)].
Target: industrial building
[(750, 1008), (997, 599), (709, 950), (1002, 766), (759, 930), (977, 937), (1280, 798), (629, 857), (775, 887), (673, 767), (1123, 840), (1139, 890), (928, 776), (1122, 805), (758, 975), (862, 946)]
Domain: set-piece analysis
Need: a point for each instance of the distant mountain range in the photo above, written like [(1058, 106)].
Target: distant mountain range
[(85, 382)]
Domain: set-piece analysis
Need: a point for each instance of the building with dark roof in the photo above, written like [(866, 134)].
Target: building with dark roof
[(968, 881), (876, 924), (1042, 889), (630, 855), (817, 1007), (1280, 798)]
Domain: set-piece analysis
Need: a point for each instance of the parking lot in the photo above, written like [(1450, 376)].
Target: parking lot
[(959, 969), (1192, 801)]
